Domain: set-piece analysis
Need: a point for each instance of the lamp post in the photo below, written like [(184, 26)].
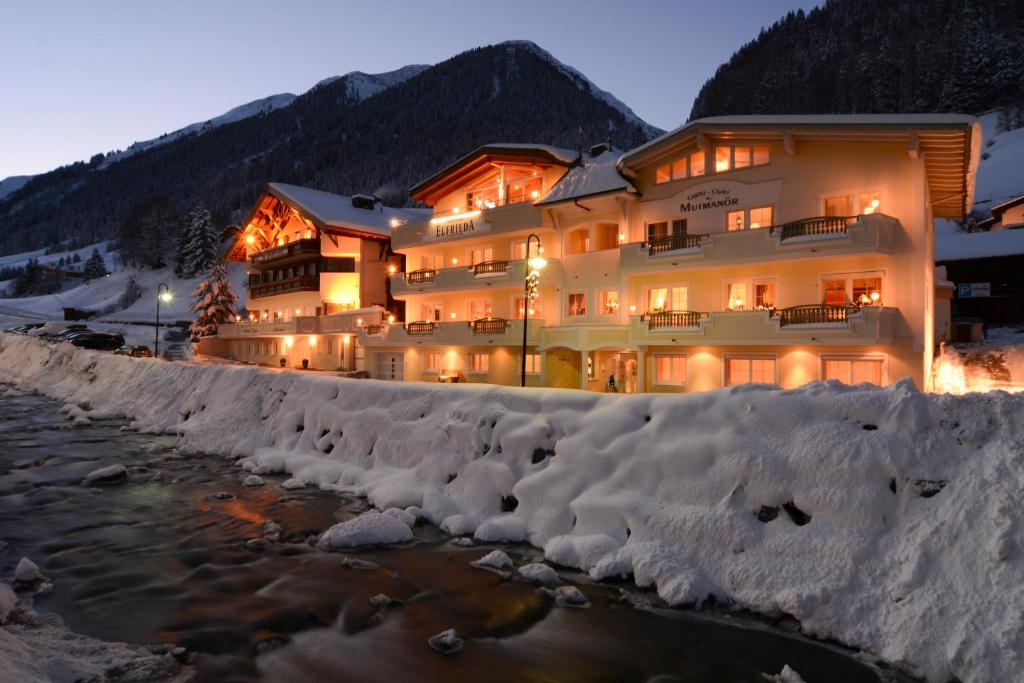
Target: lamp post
[(163, 293), (533, 268)]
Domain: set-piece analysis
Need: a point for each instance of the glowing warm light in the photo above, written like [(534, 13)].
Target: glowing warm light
[(538, 262), (238, 318), (632, 308), (312, 341), (455, 261), (298, 311), (394, 224), (457, 214), (391, 269), (755, 225), (532, 311), (540, 249), (280, 241), (265, 315), (359, 321), (250, 239), (166, 296), (722, 165), (737, 303), (875, 297), (534, 194), (453, 316), (875, 204), (288, 341), (622, 237), (391, 318), (345, 340)]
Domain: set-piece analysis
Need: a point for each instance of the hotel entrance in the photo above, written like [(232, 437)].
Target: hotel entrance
[(612, 371)]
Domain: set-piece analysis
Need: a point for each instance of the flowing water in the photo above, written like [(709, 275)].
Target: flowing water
[(163, 558)]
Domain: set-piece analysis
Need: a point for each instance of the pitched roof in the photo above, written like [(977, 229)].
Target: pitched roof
[(479, 160), (596, 176), (336, 211), (999, 209), (950, 144)]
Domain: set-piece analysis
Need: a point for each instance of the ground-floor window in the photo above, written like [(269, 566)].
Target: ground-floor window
[(432, 361), (479, 362), (533, 363), (750, 369), (853, 370), (670, 369), (577, 304), (859, 289)]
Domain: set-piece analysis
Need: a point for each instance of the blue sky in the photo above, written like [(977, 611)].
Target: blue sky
[(88, 77)]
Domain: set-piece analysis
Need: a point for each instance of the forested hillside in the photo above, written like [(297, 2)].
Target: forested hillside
[(877, 56), (332, 140)]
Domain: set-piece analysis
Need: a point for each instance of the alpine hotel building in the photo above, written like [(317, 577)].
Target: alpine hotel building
[(778, 249)]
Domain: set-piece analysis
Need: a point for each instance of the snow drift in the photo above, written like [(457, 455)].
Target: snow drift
[(883, 518)]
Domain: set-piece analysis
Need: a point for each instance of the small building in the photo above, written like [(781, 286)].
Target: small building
[(317, 272), (1008, 215)]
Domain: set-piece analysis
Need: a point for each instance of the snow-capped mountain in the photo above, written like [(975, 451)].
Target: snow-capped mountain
[(13, 184), (584, 83), (362, 85)]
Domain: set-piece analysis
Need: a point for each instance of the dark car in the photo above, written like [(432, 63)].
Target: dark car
[(98, 341), (70, 329), (25, 328), (136, 351), (68, 335)]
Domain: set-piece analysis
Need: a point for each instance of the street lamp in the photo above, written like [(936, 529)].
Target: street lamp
[(163, 293), (534, 266)]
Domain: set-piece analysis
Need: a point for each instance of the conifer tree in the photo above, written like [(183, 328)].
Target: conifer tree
[(214, 302), (95, 266), (198, 247)]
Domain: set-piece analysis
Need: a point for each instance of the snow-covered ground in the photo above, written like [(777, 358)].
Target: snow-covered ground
[(883, 518), (999, 173)]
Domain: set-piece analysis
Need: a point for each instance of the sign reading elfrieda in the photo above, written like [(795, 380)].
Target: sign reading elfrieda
[(704, 206), (455, 227)]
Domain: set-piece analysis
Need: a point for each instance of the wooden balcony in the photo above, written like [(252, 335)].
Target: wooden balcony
[(489, 325), (493, 274), (306, 324), (306, 283), (419, 277), (487, 268), (420, 329), (485, 332), (673, 319), (292, 252)]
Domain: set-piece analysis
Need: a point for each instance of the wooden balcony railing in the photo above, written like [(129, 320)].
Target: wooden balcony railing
[(818, 225), (489, 326), (815, 314), (375, 328), (306, 283), (419, 277), (490, 268), (310, 247), (423, 328), (674, 319), (683, 240)]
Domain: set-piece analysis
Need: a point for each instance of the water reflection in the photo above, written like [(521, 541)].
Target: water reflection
[(164, 559)]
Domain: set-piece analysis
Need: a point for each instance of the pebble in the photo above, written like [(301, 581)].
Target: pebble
[(447, 642), (381, 600), (27, 571), (106, 476), (253, 480)]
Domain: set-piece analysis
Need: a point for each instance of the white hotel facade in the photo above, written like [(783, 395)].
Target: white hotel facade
[(780, 249)]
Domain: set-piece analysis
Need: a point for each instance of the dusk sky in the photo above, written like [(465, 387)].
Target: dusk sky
[(88, 77)]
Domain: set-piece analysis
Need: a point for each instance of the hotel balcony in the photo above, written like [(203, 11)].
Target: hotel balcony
[(292, 252), (809, 237), (811, 324), (306, 324), (483, 332), (304, 283), (494, 274)]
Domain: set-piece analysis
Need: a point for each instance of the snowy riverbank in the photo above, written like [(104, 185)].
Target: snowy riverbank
[(885, 519)]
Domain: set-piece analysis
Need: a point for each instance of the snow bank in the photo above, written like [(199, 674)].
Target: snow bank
[(882, 518), (368, 529)]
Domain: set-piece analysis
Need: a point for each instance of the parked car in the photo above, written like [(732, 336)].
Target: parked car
[(68, 335), (99, 341), (25, 328), (135, 351), (64, 330)]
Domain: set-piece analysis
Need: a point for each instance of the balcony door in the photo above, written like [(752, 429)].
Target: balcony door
[(391, 366)]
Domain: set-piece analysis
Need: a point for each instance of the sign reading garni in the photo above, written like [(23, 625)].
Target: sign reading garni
[(705, 205), (456, 226)]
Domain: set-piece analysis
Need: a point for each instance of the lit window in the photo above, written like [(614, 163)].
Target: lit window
[(519, 250), (745, 370), (670, 369), (657, 230), (722, 156), (764, 295), (853, 370), (761, 217), (480, 255), (577, 305), (737, 297), (432, 361), (479, 308), (533, 361), (431, 262), (839, 205), (735, 220), (866, 291), (761, 155), (679, 169), (741, 157), (663, 174), (535, 311), (608, 301), (479, 362), (697, 164), (666, 299), (869, 202), (430, 312), (835, 291)]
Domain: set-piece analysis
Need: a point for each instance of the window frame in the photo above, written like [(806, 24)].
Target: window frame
[(854, 195), (568, 305), (750, 283), (883, 358), (747, 356), (426, 369), (667, 286), (618, 303), (470, 370), (539, 365), (848, 277), (686, 370)]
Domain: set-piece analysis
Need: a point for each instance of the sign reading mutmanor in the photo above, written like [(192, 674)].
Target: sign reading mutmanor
[(705, 205), (454, 227), (710, 198)]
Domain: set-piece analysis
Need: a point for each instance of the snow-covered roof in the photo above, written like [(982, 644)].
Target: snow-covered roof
[(599, 175), (998, 210), (971, 245), (335, 210)]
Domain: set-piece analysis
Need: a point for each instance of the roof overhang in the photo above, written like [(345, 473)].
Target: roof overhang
[(950, 144), (481, 160)]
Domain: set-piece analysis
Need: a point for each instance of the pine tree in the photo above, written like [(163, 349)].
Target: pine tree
[(198, 247), (214, 302), (95, 266)]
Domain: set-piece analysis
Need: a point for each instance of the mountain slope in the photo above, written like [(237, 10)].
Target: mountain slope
[(12, 184), (332, 139), (877, 56)]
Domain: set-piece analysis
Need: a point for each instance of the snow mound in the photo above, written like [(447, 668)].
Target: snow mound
[(27, 571), (567, 596), (496, 560), (369, 528), (402, 516), (252, 481), (105, 476), (446, 642), (538, 572), (787, 675), (885, 518)]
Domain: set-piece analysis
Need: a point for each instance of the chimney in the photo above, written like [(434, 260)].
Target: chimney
[(364, 201), (598, 150)]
